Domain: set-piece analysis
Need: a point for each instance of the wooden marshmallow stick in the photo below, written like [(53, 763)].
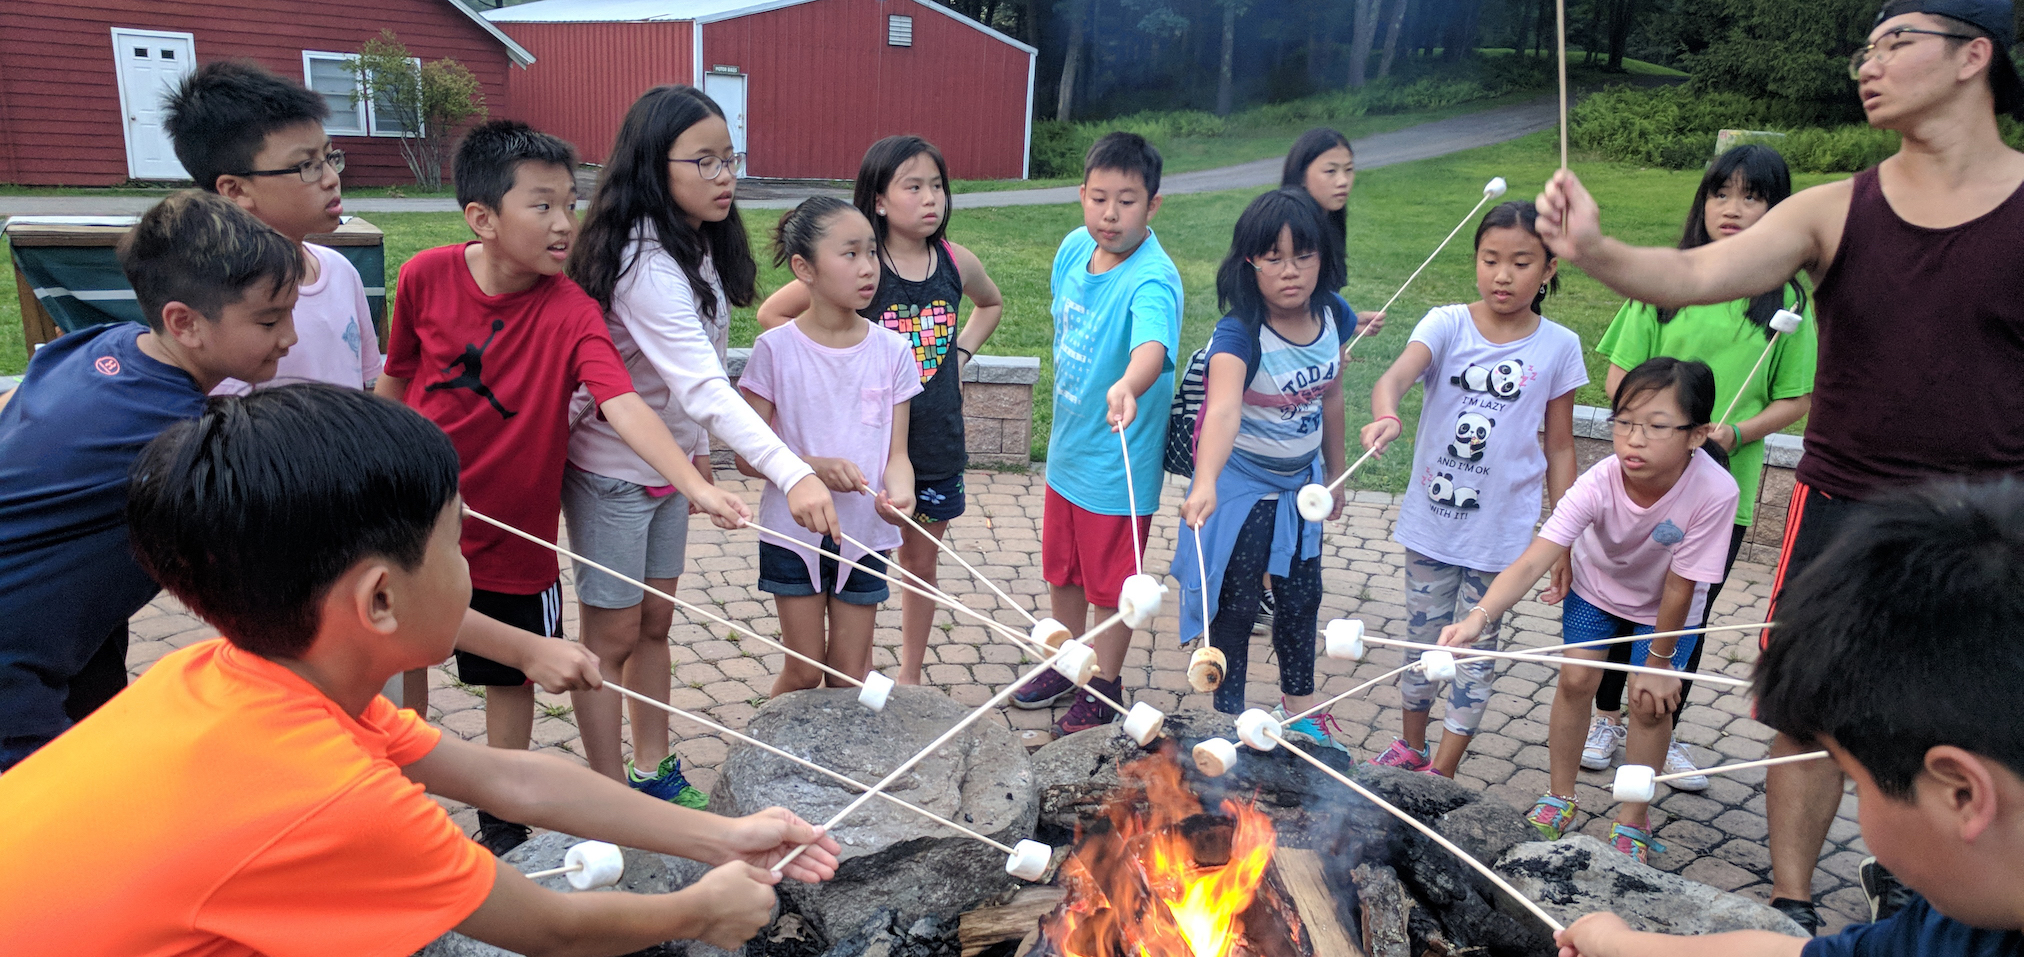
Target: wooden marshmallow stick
[(1395, 672), (950, 550), (1564, 660), (1131, 497), (932, 594), (651, 590), (1491, 190), (1560, 22), (1433, 835), (804, 762), (1747, 765)]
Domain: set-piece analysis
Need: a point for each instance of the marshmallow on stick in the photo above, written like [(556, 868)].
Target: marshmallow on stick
[(1784, 322), (1637, 783), (589, 865)]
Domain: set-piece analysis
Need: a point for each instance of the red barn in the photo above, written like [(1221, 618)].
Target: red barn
[(81, 81), (807, 84)]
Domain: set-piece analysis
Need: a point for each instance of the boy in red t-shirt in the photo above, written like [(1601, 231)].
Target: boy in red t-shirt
[(490, 341), (284, 812)]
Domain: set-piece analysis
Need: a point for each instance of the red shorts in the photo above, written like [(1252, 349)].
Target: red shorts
[(1080, 547)]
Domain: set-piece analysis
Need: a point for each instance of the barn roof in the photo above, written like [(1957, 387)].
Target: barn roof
[(699, 11), (515, 51)]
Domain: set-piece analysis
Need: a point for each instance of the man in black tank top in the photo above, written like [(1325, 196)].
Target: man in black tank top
[(1921, 331)]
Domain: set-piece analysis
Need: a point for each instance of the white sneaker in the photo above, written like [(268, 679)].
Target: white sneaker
[(1678, 761), (1604, 738)]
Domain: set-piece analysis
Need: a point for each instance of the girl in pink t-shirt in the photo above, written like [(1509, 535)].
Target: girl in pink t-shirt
[(1647, 530), (836, 387)]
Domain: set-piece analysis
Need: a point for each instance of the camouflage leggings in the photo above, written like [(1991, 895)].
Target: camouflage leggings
[(1436, 593)]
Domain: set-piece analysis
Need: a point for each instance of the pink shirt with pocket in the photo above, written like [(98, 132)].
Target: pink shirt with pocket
[(833, 403), (1621, 552), (335, 341)]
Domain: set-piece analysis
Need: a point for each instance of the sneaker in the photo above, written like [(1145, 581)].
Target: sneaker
[(1042, 690), (1087, 712), (1550, 816), (667, 783), (1634, 841), (1678, 761), (1318, 730), (1267, 606), (1605, 739), (1886, 894), (1403, 756), (499, 835), (1801, 912), (1436, 772)]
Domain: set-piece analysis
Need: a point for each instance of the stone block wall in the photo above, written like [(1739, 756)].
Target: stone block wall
[(997, 408)]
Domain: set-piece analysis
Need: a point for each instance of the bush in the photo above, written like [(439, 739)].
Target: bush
[(1675, 128)]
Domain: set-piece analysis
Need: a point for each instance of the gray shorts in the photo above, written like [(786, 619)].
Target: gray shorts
[(614, 522)]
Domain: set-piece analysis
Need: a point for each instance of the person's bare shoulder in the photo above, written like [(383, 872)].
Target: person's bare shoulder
[(1821, 212)]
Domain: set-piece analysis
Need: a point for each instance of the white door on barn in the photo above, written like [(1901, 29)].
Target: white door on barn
[(150, 63), (728, 89)]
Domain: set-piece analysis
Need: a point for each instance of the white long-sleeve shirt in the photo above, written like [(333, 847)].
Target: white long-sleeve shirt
[(675, 353)]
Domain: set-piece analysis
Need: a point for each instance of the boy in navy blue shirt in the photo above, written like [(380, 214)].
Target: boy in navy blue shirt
[(1898, 652), (217, 288)]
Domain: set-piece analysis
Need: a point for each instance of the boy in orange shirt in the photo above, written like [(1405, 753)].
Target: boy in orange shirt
[(284, 813)]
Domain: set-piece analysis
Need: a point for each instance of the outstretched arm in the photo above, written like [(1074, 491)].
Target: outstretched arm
[(1606, 935), (1791, 237)]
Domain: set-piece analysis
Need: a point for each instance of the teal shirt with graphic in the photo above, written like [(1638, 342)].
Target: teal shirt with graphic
[(1722, 336)]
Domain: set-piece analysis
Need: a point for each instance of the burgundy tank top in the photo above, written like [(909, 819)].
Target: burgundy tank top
[(1921, 369)]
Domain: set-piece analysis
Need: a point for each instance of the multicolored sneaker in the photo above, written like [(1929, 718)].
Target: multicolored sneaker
[(667, 783), (1042, 690), (1403, 756), (1634, 841), (1318, 730), (1087, 712), (1605, 738), (1550, 816)]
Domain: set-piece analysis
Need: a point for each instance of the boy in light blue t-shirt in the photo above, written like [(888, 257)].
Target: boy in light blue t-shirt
[(1117, 324)]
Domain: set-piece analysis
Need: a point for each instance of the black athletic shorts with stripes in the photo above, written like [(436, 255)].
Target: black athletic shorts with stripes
[(539, 613)]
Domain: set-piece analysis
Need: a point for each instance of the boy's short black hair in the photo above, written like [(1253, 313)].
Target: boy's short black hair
[(202, 250), (491, 154), (219, 116), (1904, 634), (249, 513), (1126, 153)]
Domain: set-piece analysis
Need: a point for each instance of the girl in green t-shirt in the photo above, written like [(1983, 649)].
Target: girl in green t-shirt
[(1741, 185)]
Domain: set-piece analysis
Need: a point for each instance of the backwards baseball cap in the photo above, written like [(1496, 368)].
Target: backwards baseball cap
[(1995, 17)]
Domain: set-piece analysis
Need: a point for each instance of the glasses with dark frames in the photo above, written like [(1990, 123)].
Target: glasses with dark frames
[(1870, 51), (310, 170), (711, 167), (1625, 428)]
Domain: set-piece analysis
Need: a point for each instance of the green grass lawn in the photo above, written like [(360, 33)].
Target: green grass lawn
[(1396, 216)]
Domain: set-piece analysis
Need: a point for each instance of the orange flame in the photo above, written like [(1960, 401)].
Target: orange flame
[(1147, 889)]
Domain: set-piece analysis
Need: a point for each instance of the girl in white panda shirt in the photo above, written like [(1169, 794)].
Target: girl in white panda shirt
[(1493, 370)]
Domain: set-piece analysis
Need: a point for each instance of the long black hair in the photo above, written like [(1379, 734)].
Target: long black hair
[(800, 228), (881, 163), (1765, 176), (634, 191), (1257, 233), (1693, 385), (1519, 214), (1307, 149)]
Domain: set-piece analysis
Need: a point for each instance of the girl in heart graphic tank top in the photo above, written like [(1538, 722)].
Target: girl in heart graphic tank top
[(902, 187)]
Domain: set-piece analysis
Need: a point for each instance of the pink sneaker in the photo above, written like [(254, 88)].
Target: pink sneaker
[(1404, 756)]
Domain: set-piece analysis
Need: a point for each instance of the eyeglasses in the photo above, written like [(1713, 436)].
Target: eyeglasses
[(1870, 51), (1300, 263), (310, 170), (711, 167), (1624, 428)]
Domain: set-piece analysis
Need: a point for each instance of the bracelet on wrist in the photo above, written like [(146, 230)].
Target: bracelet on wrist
[(1737, 430), (1394, 418)]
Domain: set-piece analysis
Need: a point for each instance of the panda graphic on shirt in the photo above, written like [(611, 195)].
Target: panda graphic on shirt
[(1472, 436), (1459, 472), (1502, 381)]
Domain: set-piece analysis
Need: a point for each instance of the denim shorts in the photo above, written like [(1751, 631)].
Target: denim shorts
[(616, 523), (784, 572), (940, 500)]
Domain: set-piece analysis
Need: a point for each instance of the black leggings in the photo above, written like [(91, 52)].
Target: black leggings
[(1609, 694), (1297, 598)]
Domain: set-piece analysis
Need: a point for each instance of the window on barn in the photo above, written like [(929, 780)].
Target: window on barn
[(327, 74), (899, 31), (351, 114)]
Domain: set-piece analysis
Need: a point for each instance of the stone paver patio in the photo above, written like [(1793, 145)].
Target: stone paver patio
[(1716, 836)]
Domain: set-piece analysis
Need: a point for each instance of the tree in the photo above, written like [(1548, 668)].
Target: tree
[(1071, 61), (1794, 52), (1391, 37), (1226, 75), (424, 102), (1362, 35)]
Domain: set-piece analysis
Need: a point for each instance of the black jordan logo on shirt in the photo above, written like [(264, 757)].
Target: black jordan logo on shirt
[(473, 361)]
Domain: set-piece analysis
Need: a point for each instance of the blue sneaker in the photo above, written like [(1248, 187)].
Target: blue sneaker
[(667, 784), (1317, 730), (1042, 690)]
